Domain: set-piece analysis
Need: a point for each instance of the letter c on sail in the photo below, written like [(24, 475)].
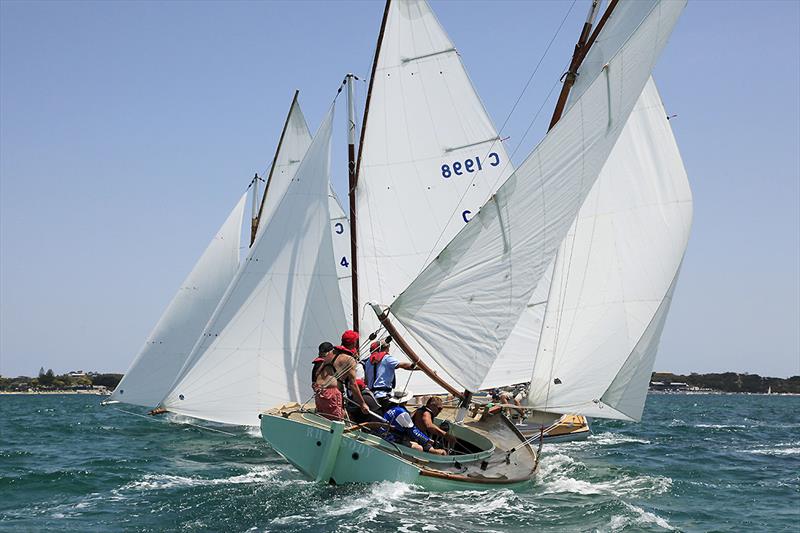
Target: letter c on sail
[(465, 215)]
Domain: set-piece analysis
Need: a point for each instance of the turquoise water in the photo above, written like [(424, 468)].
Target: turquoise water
[(696, 463)]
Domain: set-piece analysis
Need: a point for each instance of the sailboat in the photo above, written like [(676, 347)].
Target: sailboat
[(462, 306), (166, 352)]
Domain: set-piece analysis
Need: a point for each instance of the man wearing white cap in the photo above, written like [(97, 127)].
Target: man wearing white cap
[(402, 429)]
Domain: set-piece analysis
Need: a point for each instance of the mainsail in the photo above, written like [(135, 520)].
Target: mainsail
[(169, 344), (340, 230), (615, 275), (292, 146), (475, 290), (257, 348), (430, 154)]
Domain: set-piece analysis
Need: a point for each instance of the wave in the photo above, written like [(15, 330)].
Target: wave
[(623, 486), (720, 426), (261, 474), (640, 518), (613, 439)]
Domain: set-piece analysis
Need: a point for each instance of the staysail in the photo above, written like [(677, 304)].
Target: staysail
[(256, 351), (467, 301), (166, 349), (615, 275)]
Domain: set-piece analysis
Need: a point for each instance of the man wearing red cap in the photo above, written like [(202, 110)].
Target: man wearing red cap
[(349, 342)]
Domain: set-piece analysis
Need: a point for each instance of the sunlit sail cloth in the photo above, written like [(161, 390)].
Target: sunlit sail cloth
[(292, 146), (615, 274), (430, 154), (257, 349), (340, 230), (480, 283), (430, 157), (158, 363), (515, 361)]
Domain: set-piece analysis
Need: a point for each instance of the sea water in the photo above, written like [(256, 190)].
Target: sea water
[(695, 463)]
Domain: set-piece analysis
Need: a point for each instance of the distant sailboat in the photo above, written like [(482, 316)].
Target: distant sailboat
[(166, 353)]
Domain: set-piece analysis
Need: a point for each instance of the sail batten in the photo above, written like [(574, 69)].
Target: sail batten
[(467, 301)]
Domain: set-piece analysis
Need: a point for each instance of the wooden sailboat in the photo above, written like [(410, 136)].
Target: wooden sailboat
[(462, 306), (167, 351)]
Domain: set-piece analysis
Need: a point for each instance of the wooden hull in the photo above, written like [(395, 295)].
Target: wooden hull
[(568, 428), (329, 453)]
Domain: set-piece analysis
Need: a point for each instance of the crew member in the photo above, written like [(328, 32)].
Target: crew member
[(336, 371), (379, 372), (424, 420), (401, 427)]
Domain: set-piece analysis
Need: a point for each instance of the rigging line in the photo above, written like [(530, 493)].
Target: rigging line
[(182, 423), (505, 122)]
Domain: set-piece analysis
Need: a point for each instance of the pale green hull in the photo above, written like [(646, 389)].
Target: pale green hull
[(321, 450)]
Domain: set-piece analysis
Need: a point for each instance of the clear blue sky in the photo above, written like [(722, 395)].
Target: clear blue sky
[(129, 129)]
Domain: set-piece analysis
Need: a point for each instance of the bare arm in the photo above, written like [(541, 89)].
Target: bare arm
[(354, 388), (405, 365), (431, 428)]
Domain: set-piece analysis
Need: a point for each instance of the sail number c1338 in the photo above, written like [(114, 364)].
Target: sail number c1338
[(469, 165)]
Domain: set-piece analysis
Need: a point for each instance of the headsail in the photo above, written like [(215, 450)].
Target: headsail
[(257, 349), (615, 275), (158, 363), (466, 302)]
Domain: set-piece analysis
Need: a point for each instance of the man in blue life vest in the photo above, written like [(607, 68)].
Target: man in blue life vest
[(401, 428), (379, 372)]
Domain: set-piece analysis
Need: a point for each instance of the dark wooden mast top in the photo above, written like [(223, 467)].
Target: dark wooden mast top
[(257, 221), (354, 173), (585, 42)]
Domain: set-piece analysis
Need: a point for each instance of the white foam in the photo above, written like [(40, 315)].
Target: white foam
[(259, 474), (775, 451), (720, 426), (642, 517), (624, 486), (612, 439), (253, 431)]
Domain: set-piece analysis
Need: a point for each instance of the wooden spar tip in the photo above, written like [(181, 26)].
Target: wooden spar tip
[(383, 316), (157, 411)]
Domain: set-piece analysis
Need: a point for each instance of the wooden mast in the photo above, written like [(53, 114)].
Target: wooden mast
[(257, 218), (585, 42), (354, 173), (383, 316)]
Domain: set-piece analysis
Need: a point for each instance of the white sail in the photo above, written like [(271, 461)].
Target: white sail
[(615, 275), (257, 349), (340, 230), (166, 349), (515, 361), (430, 154), (292, 146), (466, 302)]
